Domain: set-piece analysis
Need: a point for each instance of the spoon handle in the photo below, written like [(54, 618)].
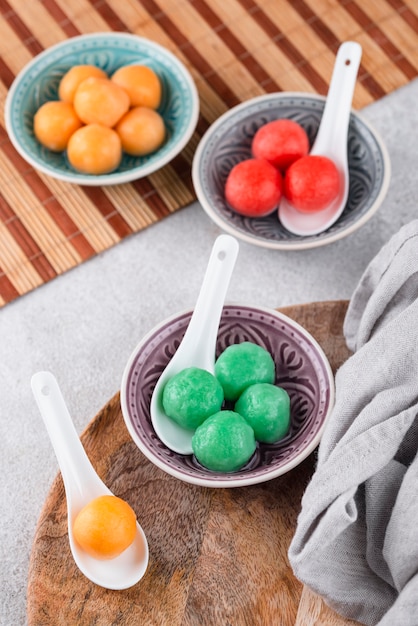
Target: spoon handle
[(332, 132), (77, 472), (203, 327)]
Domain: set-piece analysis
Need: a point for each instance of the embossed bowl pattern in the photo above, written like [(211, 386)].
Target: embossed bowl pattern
[(39, 81), (228, 141), (301, 368)]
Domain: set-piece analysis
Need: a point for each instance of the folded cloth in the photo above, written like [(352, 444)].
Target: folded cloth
[(356, 540)]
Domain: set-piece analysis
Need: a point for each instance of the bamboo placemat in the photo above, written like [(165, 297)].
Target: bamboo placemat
[(235, 50)]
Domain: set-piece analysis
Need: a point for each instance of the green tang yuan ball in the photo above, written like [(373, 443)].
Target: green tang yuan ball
[(224, 442), (267, 410), (241, 365), (191, 395)]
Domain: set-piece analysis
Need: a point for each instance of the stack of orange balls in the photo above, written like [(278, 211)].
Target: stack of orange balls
[(99, 117)]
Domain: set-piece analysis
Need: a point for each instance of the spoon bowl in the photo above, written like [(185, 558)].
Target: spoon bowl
[(331, 141), (82, 484), (198, 345)]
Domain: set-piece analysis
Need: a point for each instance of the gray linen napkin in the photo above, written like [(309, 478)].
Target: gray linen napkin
[(356, 541)]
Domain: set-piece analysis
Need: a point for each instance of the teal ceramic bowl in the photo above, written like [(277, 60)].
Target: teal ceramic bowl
[(39, 80)]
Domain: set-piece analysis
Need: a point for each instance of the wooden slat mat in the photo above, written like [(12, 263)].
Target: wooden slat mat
[(235, 50)]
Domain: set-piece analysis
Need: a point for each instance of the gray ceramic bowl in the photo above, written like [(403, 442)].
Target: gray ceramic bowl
[(228, 141), (302, 369), (39, 80)]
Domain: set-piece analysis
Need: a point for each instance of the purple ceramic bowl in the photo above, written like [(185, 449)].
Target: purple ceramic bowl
[(301, 368)]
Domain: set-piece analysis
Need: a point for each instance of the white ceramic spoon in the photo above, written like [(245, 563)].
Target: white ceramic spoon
[(197, 348), (331, 141), (82, 485)]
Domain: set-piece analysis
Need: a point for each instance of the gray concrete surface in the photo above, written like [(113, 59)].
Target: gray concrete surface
[(83, 325)]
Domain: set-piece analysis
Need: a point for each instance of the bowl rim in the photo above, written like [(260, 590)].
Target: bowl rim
[(112, 178), (241, 481), (299, 243)]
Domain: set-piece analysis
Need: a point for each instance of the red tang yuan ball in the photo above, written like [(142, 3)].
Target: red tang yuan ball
[(280, 142), (254, 188), (311, 183)]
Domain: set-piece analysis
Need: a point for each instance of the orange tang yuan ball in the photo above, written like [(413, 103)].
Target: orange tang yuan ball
[(141, 130), (100, 101), (141, 83), (74, 77), (54, 123), (105, 527), (94, 149)]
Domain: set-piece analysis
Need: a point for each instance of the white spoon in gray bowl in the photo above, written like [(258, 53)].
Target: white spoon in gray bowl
[(82, 485), (331, 142)]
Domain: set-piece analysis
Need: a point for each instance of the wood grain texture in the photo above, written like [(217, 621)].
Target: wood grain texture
[(217, 556), (235, 50)]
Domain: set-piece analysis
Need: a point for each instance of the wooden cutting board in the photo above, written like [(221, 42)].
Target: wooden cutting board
[(218, 557)]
